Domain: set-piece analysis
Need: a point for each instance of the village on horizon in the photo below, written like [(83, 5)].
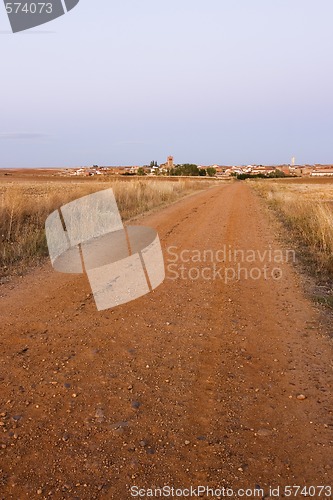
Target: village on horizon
[(170, 168), (224, 171)]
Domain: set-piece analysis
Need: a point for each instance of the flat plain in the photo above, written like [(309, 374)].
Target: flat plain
[(202, 381)]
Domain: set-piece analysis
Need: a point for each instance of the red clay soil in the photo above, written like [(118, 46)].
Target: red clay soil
[(197, 383)]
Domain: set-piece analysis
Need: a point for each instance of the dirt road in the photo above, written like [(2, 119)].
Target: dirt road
[(198, 383)]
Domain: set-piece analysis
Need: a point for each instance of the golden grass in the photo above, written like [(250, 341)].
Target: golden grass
[(307, 210), (25, 206)]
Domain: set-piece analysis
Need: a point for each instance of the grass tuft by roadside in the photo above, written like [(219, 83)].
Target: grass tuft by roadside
[(306, 210)]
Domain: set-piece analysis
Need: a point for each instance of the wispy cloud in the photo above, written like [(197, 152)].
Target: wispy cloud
[(131, 143), (29, 32), (23, 136)]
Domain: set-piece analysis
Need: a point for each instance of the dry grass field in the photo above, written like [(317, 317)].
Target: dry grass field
[(306, 207), (26, 203)]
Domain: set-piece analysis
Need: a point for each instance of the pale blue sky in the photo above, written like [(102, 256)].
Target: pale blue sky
[(126, 82)]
